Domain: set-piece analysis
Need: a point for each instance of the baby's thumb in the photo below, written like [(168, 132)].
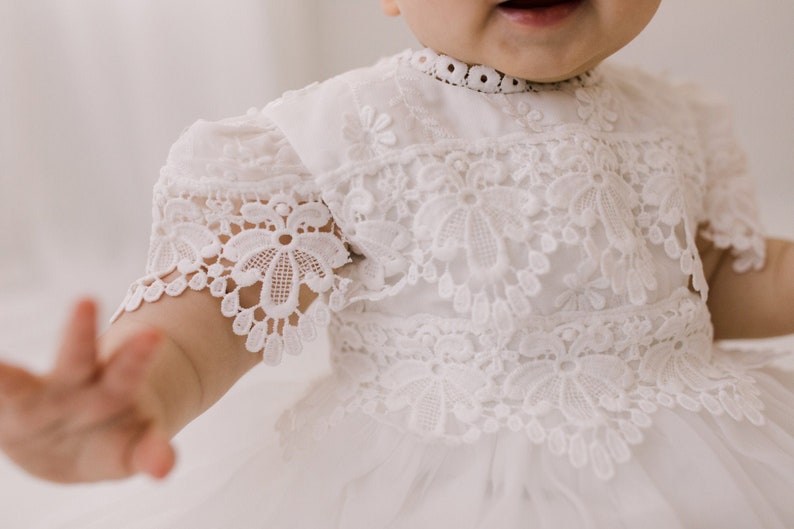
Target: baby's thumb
[(153, 455)]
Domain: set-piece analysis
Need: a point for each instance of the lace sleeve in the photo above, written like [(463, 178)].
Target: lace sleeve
[(236, 213), (730, 211)]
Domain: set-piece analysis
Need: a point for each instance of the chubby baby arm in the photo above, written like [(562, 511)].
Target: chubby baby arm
[(110, 405), (752, 304)]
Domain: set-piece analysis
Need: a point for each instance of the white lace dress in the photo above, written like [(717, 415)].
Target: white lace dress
[(516, 305)]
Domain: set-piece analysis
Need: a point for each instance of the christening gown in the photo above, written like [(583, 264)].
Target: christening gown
[(515, 302)]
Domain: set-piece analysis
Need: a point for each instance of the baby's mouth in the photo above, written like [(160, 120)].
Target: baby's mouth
[(538, 13), (533, 4)]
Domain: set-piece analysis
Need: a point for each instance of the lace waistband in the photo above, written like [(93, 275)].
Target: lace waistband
[(585, 386)]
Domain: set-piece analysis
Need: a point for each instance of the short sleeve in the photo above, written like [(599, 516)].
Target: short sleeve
[(730, 215), (237, 214)]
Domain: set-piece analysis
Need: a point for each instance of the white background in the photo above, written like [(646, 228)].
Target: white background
[(93, 92)]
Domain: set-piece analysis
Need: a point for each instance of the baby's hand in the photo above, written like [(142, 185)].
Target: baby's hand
[(90, 419)]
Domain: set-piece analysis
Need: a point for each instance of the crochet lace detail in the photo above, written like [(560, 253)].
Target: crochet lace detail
[(219, 227), (484, 78), (275, 247), (560, 260), (585, 385), (490, 224), (554, 265)]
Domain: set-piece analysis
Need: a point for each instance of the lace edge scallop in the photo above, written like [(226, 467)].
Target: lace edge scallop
[(485, 79)]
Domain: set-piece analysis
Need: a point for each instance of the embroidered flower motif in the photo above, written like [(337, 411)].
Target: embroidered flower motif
[(580, 386), (673, 195), (585, 291), (292, 251), (681, 358), (525, 115), (368, 134), (381, 242), (638, 337), (221, 213), (180, 240), (631, 274), (469, 210), (667, 189), (592, 189), (436, 389), (732, 214), (597, 107), (531, 164), (594, 192)]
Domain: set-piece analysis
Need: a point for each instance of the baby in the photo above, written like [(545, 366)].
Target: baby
[(524, 257)]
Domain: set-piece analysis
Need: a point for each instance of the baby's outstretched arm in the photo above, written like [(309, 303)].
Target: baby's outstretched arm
[(752, 304), (110, 405)]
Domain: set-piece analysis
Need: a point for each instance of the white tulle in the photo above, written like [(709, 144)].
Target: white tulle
[(692, 470)]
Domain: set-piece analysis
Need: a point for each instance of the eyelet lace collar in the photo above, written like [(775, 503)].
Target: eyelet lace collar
[(483, 78)]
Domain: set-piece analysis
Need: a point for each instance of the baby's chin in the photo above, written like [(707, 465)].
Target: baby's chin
[(530, 67), (545, 73), (536, 65)]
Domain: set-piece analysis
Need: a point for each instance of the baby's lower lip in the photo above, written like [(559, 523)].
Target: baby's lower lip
[(545, 14)]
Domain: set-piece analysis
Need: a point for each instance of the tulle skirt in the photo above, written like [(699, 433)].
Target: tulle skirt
[(693, 470)]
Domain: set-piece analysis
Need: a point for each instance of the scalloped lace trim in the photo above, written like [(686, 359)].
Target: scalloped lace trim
[(231, 246), (484, 78)]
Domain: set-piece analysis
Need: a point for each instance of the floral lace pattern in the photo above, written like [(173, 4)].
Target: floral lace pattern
[(562, 256), (368, 134), (254, 253), (585, 385), (533, 270), (283, 248), (488, 226)]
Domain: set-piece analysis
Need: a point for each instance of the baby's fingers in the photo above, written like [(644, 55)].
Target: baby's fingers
[(16, 383), (152, 455), (76, 360), (126, 370)]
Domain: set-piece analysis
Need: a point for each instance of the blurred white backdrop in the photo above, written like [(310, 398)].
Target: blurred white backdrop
[(93, 92)]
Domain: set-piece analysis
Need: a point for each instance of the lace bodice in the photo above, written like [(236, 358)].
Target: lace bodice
[(491, 253)]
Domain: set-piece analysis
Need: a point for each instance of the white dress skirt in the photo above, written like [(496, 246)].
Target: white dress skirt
[(692, 471)]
